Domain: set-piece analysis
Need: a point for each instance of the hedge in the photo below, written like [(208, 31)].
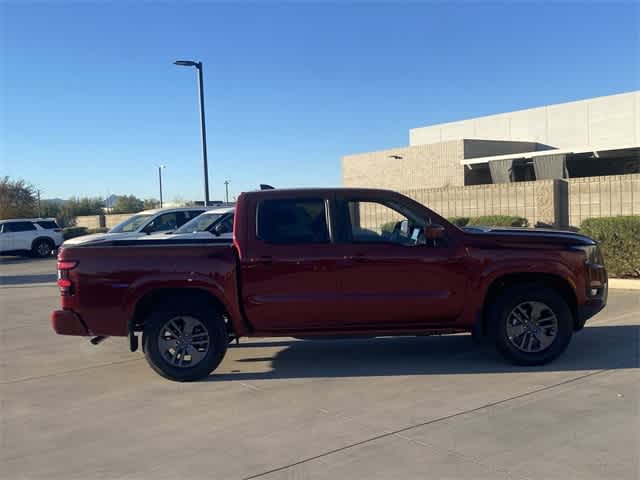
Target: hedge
[(619, 239), (490, 221), (71, 232), (459, 221)]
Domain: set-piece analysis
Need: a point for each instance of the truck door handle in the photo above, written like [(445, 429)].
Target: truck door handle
[(360, 258), (266, 260)]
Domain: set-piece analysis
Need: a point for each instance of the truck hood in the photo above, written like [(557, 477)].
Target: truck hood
[(186, 236), (100, 237), (525, 236)]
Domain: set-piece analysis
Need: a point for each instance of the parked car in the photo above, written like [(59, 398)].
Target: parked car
[(38, 237), (217, 222), (332, 262), (143, 224)]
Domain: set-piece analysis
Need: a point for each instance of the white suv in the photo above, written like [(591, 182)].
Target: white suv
[(37, 236)]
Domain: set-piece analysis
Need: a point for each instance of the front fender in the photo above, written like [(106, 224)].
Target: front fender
[(491, 270)]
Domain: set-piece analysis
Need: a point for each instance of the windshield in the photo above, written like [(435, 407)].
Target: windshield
[(131, 224), (199, 224)]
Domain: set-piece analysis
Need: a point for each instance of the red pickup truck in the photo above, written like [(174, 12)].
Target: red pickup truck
[(331, 263)]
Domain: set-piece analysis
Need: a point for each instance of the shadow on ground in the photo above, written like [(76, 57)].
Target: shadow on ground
[(15, 260), (594, 348), (25, 279)]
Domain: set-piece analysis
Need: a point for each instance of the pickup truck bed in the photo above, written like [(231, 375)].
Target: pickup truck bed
[(328, 262)]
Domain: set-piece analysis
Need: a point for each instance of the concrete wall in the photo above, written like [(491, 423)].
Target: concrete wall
[(602, 121), (535, 201), (90, 221), (603, 197), (115, 218), (423, 166), (101, 221)]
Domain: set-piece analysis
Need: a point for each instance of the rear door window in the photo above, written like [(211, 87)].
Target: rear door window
[(293, 221), (48, 224)]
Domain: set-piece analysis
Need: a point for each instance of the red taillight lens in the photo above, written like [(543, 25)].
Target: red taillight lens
[(64, 283), (66, 265)]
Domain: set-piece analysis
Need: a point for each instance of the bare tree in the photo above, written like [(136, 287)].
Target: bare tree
[(17, 199)]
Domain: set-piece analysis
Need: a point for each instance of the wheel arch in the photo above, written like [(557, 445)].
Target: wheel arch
[(548, 280), (193, 295)]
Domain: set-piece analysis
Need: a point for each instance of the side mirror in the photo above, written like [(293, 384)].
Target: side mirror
[(150, 228), (434, 232)]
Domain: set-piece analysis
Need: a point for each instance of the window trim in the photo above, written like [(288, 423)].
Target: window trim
[(327, 205)]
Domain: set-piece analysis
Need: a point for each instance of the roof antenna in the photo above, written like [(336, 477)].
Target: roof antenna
[(264, 186)]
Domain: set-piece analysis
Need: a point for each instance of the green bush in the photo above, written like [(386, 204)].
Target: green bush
[(388, 227), (619, 239), (459, 221), (72, 232), (498, 221)]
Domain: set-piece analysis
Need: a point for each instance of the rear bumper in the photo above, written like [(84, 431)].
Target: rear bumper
[(66, 322)]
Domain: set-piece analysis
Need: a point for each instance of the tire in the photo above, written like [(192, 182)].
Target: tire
[(543, 339), (176, 365), (42, 248)]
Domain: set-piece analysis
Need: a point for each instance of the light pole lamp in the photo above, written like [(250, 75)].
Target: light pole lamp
[(203, 128), (226, 191), (160, 168)]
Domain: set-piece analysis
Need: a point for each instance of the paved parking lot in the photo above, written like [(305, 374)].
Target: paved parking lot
[(394, 408)]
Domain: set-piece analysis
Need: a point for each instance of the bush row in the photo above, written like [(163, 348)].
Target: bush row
[(491, 221), (71, 232), (619, 239)]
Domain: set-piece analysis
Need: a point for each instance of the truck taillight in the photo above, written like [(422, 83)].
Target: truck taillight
[(64, 282)]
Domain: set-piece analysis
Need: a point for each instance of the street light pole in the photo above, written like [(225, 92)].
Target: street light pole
[(160, 167), (226, 191), (203, 128)]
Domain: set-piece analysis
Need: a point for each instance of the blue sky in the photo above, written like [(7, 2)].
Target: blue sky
[(92, 104)]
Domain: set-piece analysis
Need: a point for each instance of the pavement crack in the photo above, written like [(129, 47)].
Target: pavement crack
[(462, 456), (67, 372), (429, 422)]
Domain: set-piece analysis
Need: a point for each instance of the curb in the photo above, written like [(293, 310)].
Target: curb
[(624, 283)]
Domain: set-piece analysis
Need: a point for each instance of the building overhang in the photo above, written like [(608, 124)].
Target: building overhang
[(470, 162)]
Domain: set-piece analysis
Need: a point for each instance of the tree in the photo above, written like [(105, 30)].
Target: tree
[(17, 199), (127, 204), (150, 203)]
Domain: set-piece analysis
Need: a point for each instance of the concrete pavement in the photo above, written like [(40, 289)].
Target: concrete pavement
[(392, 408)]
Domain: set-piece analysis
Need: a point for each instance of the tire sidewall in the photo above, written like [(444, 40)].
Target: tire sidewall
[(37, 243), (217, 342), (508, 300)]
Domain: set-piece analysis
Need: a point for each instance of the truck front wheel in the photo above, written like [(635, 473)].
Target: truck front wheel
[(184, 343), (531, 323)]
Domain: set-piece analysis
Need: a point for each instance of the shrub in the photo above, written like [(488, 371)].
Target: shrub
[(619, 239), (459, 221), (71, 232), (499, 221), (388, 227)]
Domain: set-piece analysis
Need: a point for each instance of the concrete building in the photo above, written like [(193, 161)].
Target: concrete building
[(587, 138)]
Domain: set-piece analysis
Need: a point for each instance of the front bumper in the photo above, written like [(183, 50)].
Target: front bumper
[(594, 303), (66, 322)]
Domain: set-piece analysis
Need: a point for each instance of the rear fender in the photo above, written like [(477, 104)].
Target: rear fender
[(221, 287)]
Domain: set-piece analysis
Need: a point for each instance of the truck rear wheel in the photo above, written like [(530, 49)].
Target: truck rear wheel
[(184, 343), (531, 323)]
